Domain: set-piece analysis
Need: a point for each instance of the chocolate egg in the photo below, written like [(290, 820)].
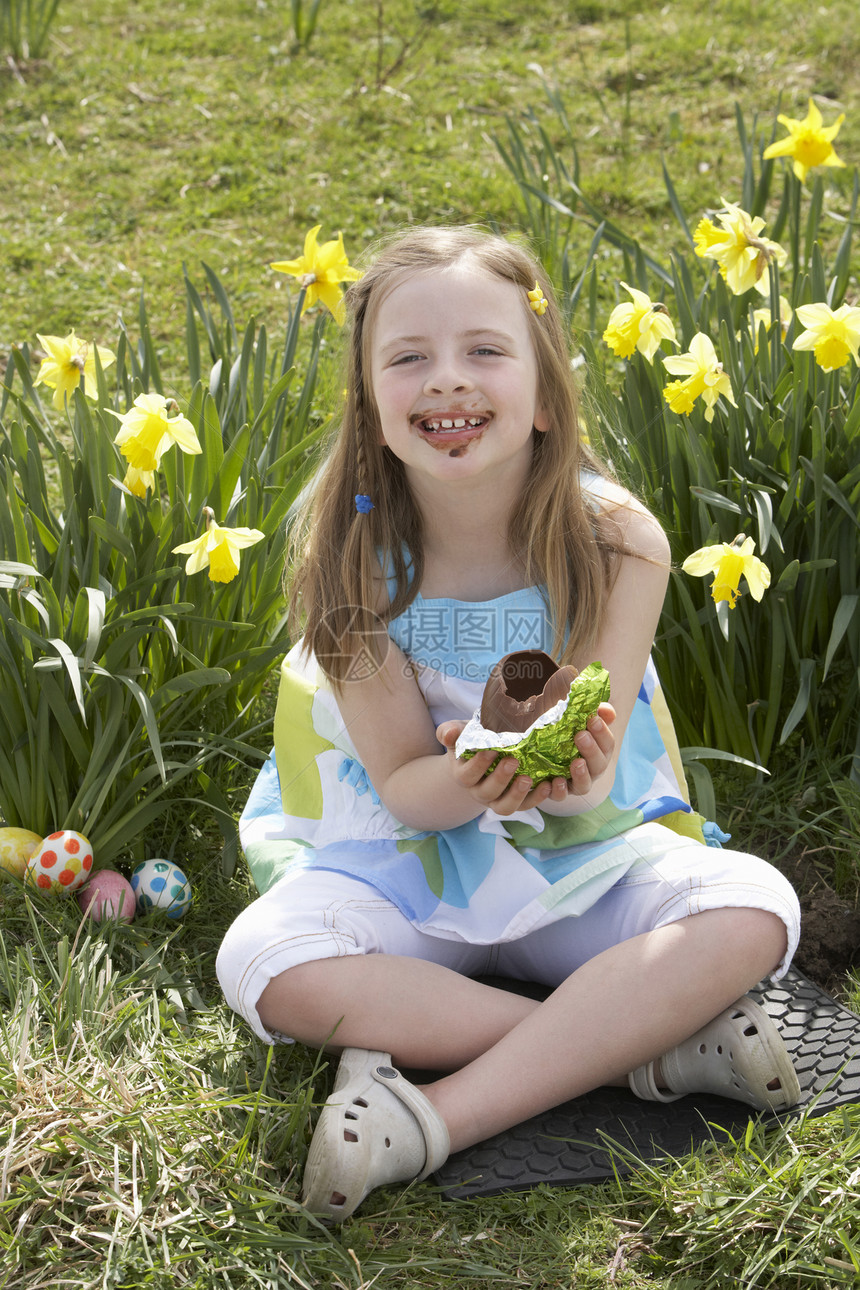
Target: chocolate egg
[(522, 687)]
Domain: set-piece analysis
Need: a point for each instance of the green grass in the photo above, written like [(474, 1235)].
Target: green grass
[(153, 136), (146, 1137)]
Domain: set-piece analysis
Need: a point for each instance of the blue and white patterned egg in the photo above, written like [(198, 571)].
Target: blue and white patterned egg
[(160, 884)]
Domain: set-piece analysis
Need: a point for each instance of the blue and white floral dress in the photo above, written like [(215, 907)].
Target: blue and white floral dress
[(494, 878)]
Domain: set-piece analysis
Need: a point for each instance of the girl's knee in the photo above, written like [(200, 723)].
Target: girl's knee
[(289, 988), (296, 1002), (767, 929), (758, 934)]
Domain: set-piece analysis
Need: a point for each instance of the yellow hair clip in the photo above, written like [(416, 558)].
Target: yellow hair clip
[(537, 300)]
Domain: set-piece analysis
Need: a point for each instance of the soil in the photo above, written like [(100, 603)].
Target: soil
[(829, 930)]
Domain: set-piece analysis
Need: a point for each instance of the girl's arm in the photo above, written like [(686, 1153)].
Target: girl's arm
[(623, 647), (395, 738)]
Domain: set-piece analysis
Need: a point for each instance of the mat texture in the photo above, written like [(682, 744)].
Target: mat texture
[(571, 1144)]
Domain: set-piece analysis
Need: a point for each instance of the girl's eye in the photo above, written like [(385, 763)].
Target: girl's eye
[(487, 349), (405, 358)]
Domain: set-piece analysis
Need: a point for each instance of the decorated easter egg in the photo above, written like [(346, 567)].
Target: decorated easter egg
[(160, 884), (60, 863), (107, 895), (16, 847)]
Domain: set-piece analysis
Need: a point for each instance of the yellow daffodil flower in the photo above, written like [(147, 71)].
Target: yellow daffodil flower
[(729, 562), (705, 378), (217, 549), (138, 481), (147, 431), (321, 269), (706, 235), (763, 315), (641, 325), (832, 334), (680, 397), (809, 142), (67, 361), (743, 255)]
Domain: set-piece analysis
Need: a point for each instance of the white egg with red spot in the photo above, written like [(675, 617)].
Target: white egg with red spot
[(160, 884), (108, 895), (61, 862)]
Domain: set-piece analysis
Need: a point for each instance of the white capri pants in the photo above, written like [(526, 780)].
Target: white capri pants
[(318, 913)]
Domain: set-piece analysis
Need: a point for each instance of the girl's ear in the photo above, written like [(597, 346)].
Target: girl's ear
[(541, 421)]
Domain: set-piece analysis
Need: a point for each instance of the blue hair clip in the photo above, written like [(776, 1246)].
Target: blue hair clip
[(363, 504)]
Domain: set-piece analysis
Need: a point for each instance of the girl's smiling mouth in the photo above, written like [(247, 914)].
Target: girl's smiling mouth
[(451, 431)]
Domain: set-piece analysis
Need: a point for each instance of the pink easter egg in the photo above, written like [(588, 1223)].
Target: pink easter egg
[(107, 895), (61, 863)]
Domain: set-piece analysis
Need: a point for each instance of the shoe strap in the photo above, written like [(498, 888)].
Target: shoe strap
[(643, 1083), (437, 1144)]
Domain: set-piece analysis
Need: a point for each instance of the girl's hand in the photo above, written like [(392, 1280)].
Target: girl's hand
[(596, 744), (505, 791)]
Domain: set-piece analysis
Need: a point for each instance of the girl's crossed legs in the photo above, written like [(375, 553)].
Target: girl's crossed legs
[(667, 949)]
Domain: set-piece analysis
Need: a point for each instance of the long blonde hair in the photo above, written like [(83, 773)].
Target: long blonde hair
[(563, 544)]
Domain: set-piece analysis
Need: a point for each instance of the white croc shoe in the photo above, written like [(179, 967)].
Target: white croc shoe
[(377, 1128), (740, 1055)]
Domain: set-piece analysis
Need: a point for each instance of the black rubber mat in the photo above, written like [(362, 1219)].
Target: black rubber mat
[(573, 1143)]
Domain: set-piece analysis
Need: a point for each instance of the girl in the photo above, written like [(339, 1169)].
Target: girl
[(459, 517)]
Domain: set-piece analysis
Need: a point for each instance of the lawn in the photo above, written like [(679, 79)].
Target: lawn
[(146, 1137), (152, 138)]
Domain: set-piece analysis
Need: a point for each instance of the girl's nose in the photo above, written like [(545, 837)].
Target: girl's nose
[(447, 377)]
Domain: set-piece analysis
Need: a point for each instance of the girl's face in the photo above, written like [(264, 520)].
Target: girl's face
[(454, 375)]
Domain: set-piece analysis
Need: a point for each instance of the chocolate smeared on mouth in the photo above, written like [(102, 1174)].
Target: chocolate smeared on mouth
[(448, 425), (452, 433)]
